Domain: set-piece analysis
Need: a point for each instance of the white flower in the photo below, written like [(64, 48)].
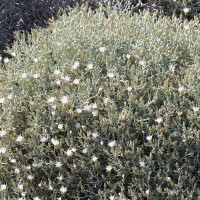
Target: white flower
[(13, 54), (58, 82), (196, 109), (84, 150), (172, 68), (30, 176), (6, 60), (94, 105), (20, 187), (3, 187), (186, 27), (111, 75), (28, 167), (111, 144), (53, 106), (149, 137), (58, 164), (37, 165), (3, 150), (168, 178), (55, 142), (90, 66), (186, 10), (142, 164), (75, 65), (142, 62), (50, 188), (78, 125), (60, 177), (100, 89), (53, 112), (76, 81), (180, 89), (17, 171), (36, 76), (95, 135), (129, 88), (24, 75), (21, 198), (64, 99), (69, 152), (73, 149), (23, 194), (102, 49), (63, 189), (106, 100), (60, 126), (175, 133), (35, 60), (36, 198), (101, 142), (79, 110), (109, 168), (179, 113), (95, 113), (9, 96), (43, 139), (87, 107), (159, 120), (34, 164), (147, 192), (0, 58), (57, 72), (128, 56), (2, 133), (2, 100), (112, 197), (51, 99), (20, 138), (13, 161), (66, 78), (94, 158)]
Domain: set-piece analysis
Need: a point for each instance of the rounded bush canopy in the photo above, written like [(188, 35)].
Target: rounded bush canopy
[(90, 100)]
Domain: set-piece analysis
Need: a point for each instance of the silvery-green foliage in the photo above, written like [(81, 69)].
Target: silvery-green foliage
[(96, 108)]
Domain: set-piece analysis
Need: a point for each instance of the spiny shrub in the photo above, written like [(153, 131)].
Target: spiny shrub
[(102, 108)]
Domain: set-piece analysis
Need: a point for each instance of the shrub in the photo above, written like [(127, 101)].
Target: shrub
[(96, 108)]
